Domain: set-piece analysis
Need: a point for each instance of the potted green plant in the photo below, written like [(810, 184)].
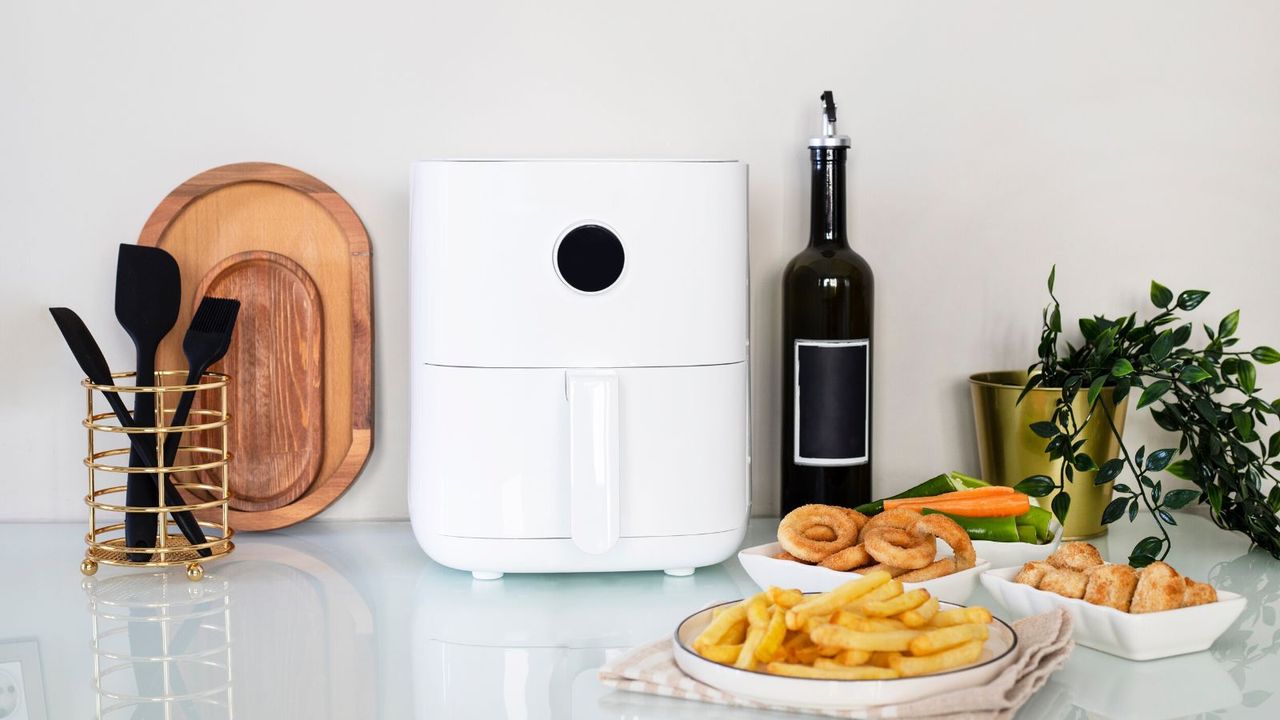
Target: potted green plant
[(1208, 395)]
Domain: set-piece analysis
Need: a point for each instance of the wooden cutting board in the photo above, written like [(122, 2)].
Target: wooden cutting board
[(301, 398)]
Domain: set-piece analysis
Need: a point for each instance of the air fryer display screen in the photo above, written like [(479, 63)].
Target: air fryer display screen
[(590, 258)]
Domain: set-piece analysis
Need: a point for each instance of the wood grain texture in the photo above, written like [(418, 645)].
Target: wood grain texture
[(280, 342), (296, 255)]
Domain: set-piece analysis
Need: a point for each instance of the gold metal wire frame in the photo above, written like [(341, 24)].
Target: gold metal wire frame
[(105, 540)]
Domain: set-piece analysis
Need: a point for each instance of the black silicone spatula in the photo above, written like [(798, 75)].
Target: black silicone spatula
[(148, 295), (204, 344), (94, 364)]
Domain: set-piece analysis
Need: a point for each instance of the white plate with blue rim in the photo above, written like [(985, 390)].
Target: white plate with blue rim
[(816, 693)]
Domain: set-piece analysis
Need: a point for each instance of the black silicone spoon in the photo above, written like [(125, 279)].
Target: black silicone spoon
[(148, 296)]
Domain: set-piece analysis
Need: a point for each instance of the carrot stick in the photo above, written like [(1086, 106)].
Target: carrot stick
[(999, 506), (992, 491)]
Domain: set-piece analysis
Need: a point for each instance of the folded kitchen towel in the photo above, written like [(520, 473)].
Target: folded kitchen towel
[(1044, 642)]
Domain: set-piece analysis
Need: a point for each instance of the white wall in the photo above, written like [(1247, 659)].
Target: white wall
[(1121, 140)]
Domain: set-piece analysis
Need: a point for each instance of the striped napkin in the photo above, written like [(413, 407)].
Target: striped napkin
[(1044, 642)]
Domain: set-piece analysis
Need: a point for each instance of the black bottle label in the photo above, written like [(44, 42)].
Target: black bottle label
[(832, 412)]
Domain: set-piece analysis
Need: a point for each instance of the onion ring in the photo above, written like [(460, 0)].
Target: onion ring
[(821, 533), (936, 569), (952, 534), (901, 518), (791, 531), (894, 572), (910, 550), (854, 556)]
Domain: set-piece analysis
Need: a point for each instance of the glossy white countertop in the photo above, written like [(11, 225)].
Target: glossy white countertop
[(342, 620)]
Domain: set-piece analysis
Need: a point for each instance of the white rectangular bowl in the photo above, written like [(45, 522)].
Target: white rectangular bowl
[(1144, 636), (767, 570), (1014, 554)]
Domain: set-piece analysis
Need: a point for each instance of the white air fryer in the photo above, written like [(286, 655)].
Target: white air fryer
[(579, 364)]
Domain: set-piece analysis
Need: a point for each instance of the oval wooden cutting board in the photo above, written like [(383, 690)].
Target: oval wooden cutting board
[(297, 257)]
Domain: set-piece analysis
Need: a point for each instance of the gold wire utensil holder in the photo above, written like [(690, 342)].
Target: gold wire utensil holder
[(207, 424)]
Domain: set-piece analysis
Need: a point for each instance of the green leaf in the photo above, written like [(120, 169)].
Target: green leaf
[(1161, 296), (1133, 509), (1191, 299), (1180, 498), (1165, 516), (1193, 374), (1183, 470), (1145, 552), (1244, 424), (1089, 328), (1111, 469), (1214, 491), (1153, 392), (1053, 271), (1159, 459), (1207, 410), (1036, 486), (1055, 320), (1095, 388), (1265, 355), (1182, 335), (1228, 326), (1121, 368), (1122, 488), (1032, 382), (1161, 347), (1247, 375), (1273, 446), (1115, 510), (1137, 457), (1061, 505), (1084, 463), (1044, 429)]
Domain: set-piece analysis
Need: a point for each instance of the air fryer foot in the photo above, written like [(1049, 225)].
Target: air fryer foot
[(485, 575), (679, 572)]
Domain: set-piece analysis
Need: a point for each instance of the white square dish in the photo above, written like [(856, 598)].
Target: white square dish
[(838, 694), (1145, 636), (766, 570)]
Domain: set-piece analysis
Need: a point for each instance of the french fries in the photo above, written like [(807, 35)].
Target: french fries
[(829, 602), (867, 629), (884, 640), (921, 615), (897, 605), (955, 657), (946, 638)]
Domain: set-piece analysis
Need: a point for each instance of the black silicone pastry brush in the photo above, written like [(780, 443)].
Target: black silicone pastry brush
[(205, 343)]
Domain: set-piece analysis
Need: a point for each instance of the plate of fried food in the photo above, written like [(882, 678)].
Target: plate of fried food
[(871, 641), (822, 546), (1142, 614)]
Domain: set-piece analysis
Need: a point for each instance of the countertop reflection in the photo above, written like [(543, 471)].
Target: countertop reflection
[(339, 620)]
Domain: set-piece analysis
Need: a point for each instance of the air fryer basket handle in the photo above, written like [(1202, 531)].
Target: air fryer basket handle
[(593, 459)]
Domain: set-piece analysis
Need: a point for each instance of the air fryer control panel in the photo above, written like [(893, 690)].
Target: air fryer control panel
[(589, 258)]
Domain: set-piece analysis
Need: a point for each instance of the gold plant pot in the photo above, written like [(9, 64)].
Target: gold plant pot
[(1009, 452)]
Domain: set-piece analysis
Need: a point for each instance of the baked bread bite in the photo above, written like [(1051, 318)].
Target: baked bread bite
[(1032, 573), (1078, 556), (1111, 585), (1067, 583), (1160, 587), (1198, 593)]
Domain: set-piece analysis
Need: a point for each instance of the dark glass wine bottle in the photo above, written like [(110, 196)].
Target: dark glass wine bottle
[(826, 329)]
